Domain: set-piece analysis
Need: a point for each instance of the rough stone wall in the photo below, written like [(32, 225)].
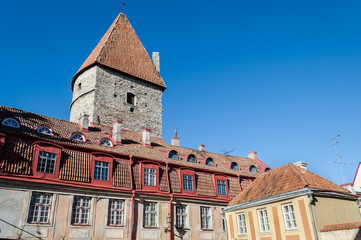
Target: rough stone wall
[(103, 95), (83, 95), (350, 234)]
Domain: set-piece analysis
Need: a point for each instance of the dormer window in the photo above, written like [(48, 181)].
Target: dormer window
[(267, 169), (173, 155), (253, 169), (234, 166), (210, 162), (45, 130), (131, 98), (192, 158), (11, 122), (78, 137), (106, 142)]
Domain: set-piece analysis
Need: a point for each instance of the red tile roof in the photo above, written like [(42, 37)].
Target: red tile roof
[(121, 49), (286, 178), (342, 226)]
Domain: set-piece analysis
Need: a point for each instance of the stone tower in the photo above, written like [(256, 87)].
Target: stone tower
[(119, 81)]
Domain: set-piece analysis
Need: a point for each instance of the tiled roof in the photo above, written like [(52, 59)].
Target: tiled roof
[(286, 178), (131, 145), (342, 226), (121, 49)]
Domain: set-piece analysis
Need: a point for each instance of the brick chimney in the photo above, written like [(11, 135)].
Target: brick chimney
[(301, 164), (155, 59), (116, 133), (252, 155), (146, 136), (84, 121), (175, 140), (202, 147)]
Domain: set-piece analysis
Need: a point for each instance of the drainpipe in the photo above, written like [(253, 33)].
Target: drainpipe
[(171, 215), (311, 213), (131, 215)]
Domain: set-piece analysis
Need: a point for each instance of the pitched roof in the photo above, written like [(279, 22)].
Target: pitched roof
[(339, 227), (121, 49), (131, 143), (286, 178)]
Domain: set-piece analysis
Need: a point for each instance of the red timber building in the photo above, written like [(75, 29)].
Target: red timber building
[(97, 177)]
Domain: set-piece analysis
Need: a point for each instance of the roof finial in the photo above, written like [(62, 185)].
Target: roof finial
[(123, 4), (175, 133)]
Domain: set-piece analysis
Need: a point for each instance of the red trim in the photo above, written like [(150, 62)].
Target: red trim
[(358, 167), (119, 121), (102, 158), (45, 147), (150, 166), (146, 129), (45, 125)]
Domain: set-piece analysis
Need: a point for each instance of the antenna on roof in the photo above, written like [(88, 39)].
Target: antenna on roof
[(334, 144), (227, 151), (175, 133), (123, 5)]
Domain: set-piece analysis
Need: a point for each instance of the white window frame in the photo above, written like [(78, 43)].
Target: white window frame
[(263, 220), (47, 159), (147, 215), (289, 216), (113, 213), (76, 221), (11, 122), (206, 219), (221, 187), (104, 166), (45, 130), (105, 142), (78, 137), (36, 209), (188, 183), (181, 217), (150, 177), (241, 220)]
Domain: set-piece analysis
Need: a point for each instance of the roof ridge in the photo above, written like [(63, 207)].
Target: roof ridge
[(294, 168), (110, 33)]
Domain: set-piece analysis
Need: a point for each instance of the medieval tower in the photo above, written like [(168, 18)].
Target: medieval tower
[(119, 81)]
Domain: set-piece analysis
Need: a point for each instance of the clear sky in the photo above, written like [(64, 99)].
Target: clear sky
[(276, 77)]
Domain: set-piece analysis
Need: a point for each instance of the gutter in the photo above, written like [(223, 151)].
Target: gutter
[(131, 216), (310, 195)]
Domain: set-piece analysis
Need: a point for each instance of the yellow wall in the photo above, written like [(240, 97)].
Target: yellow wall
[(276, 222), (329, 210)]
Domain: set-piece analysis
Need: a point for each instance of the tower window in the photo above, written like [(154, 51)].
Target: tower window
[(131, 98), (79, 86)]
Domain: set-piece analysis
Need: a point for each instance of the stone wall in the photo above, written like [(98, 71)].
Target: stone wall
[(103, 95)]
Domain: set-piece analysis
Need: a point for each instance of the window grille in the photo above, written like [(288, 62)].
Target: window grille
[(181, 216), (116, 213), (150, 177), (150, 214), (187, 182), (221, 186), (101, 171), (46, 162), (205, 218), (11, 122), (81, 209), (40, 207), (289, 216)]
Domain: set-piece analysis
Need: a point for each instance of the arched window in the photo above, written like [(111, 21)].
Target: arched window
[(267, 169), (234, 166), (106, 142), (78, 137), (192, 158), (173, 155), (45, 130), (11, 122), (253, 169), (210, 162)]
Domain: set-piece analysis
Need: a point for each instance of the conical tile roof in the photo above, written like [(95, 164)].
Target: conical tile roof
[(121, 49)]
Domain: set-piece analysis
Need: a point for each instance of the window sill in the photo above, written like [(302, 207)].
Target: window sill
[(115, 226), (48, 224), (150, 227), (79, 225), (206, 229)]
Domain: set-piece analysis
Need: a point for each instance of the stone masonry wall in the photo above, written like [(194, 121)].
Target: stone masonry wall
[(103, 95)]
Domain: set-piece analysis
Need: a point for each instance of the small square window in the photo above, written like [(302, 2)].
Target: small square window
[(150, 176), (188, 183), (101, 171), (46, 162), (131, 98), (221, 186)]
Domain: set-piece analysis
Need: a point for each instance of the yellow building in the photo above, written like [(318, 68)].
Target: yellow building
[(291, 203)]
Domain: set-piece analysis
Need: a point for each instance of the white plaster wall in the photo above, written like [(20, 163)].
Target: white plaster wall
[(352, 234)]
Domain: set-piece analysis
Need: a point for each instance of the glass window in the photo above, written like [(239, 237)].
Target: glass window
[(241, 224), (289, 215), (78, 137), (45, 130), (116, 213), (101, 171), (173, 155), (150, 175), (188, 182), (267, 169), (253, 169), (206, 218), (40, 207), (46, 162), (192, 158), (11, 122), (234, 166), (221, 185), (81, 210), (210, 162), (263, 220), (106, 142), (181, 216), (150, 214)]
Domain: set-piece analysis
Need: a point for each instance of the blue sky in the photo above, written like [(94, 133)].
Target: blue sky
[(276, 77)]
